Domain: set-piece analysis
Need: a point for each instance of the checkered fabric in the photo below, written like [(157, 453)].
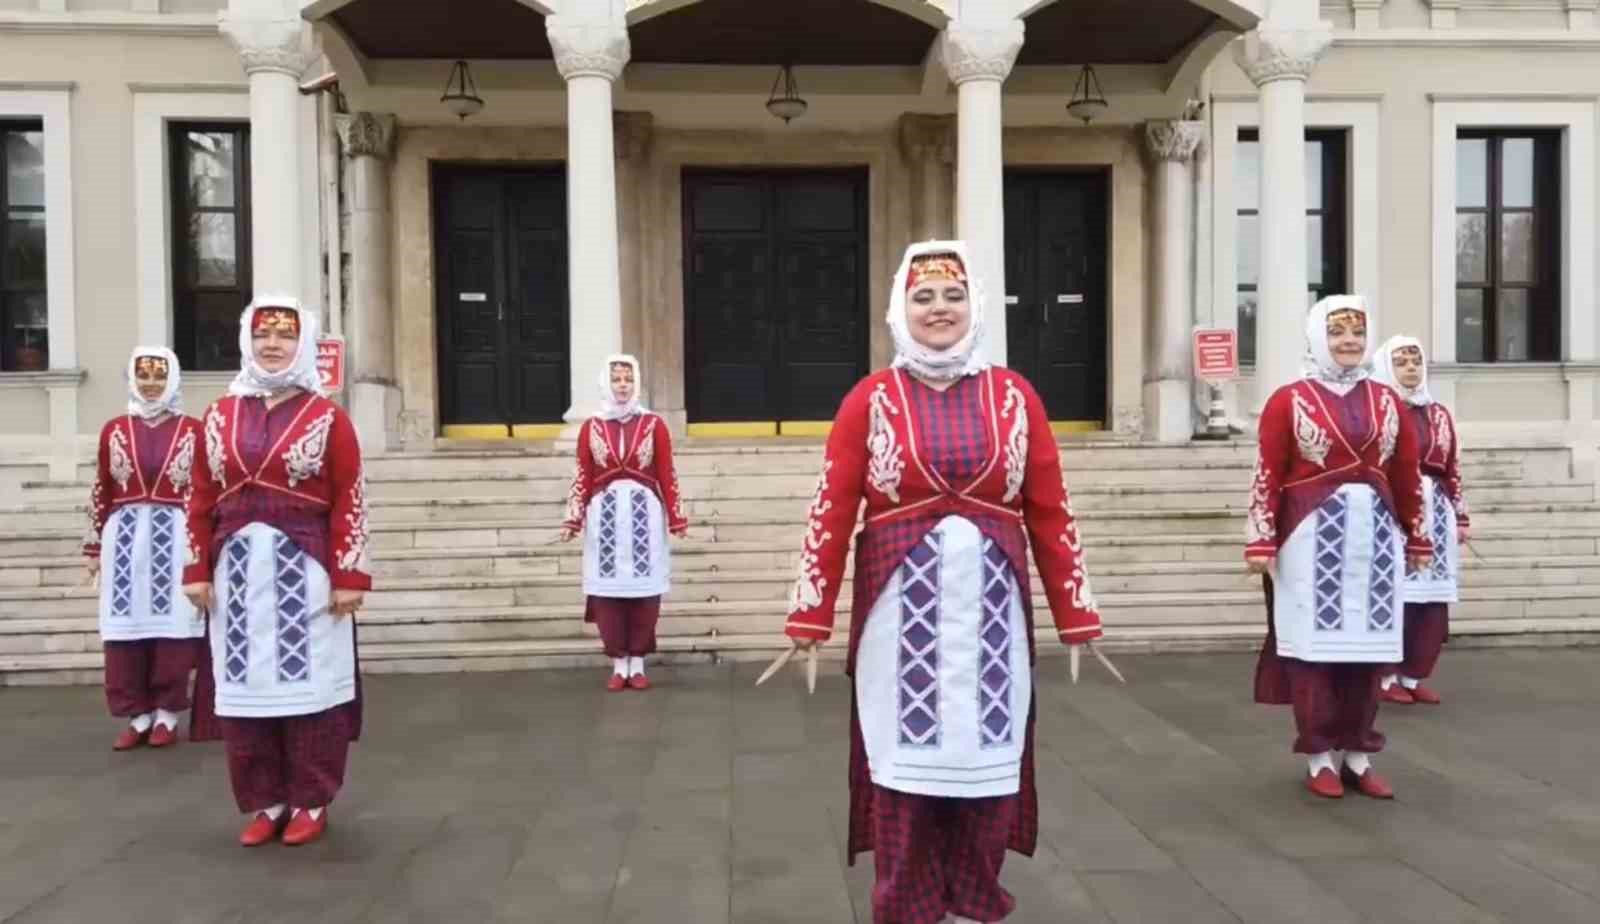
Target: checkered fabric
[(299, 760), (1335, 706), (161, 561), (952, 426), (1384, 579), (148, 674), (1443, 520), (294, 617), (607, 539), (994, 656), (1427, 628), (937, 856), (627, 625), (236, 632), (122, 567), (918, 663), (1328, 565), (640, 514), (259, 429)]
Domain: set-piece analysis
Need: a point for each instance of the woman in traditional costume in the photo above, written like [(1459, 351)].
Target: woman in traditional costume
[(278, 529), (1403, 366), (1335, 514), (624, 501), (134, 547), (960, 474)]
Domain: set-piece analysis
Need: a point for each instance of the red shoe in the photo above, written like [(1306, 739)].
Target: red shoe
[(260, 830), (639, 682), (129, 739), (617, 683), (1325, 784), (162, 736), (1397, 694), (303, 829), (1424, 695), (1369, 784)]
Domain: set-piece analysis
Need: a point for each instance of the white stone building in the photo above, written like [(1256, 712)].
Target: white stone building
[(625, 187)]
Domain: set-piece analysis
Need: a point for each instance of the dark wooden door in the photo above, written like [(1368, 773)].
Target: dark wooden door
[(1056, 273), (775, 293), (501, 237)]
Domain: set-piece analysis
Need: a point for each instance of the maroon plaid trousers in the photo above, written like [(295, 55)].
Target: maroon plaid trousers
[(627, 625), (1427, 628), (149, 674), (297, 760), (936, 856)]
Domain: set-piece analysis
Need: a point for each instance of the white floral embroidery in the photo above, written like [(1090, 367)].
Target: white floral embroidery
[(304, 456), (1016, 441), (1390, 434), (888, 462), (1260, 525), (1441, 430), (1314, 441), (352, 555), (676, 514), (97, 500), (810, 585), (215, 423), (647, 444), (1077, 583), (121, 460), (597, 444), (575, 500), (181, 470)]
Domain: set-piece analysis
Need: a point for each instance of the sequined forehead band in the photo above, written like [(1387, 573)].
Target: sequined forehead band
[(936, 267), (150, 367), (278, 320), (1349, 315)]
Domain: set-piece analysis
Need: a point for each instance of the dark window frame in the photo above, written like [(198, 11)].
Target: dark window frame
[(11, 290), (1544, 292), (184, 292), (1334, 213)]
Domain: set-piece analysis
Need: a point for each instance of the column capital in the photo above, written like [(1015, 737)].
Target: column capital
[(367, 134), (266, 44), (587, 47), (980, 52), (924, 136), (1173, 139), (1272, 54), (631, 133)]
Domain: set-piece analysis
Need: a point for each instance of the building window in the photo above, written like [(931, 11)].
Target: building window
[(1325, 223), (24, 313), (1508, 231), (210, 241)]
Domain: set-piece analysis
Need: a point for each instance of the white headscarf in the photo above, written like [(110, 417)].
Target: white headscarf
[(1320, 365), (1383, 370), (254, 381), (171, 400), (609, 408), (963, 359)]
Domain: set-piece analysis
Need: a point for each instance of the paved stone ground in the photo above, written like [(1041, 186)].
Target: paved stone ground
[(540, 798)]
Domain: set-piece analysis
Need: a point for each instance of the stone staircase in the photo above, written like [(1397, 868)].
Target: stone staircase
[(469, 575)]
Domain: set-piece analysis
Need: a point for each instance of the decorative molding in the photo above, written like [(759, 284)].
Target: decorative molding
[(1550, 97), (110, 21), (980, 53), (1266, 55), (1480, 39), (55, 378), (267, 46), (1174, 140), (631, 134), (38, 86), (924, 136), (1442, 13), (588, 47), (1367, 14), (366, 134), (139, 86)]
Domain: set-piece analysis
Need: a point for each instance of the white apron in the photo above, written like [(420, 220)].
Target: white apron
[(1440, 581), (625, 551), (1337, 591), (275, 650), (141, 575), (943, 683)]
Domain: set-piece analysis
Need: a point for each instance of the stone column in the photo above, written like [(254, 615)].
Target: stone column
[(1168, 357), (367, 140), (1279, 60), (978, 59), (928, 144), (271, 40), (590, 54)]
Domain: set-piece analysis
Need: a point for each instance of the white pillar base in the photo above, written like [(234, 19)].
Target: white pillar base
[(1168, 416), (64, 456), (375, 410)]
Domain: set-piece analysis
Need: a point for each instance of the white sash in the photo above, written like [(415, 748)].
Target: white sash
[(625, 551), (141, 575), (1337, 593)]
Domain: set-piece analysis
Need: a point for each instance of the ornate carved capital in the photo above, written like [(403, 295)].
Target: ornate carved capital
[(1173, 139), (588, 47), (924, 136), (267, 45), (980, 52), (631, 133), (367, 134), (1270, 54)]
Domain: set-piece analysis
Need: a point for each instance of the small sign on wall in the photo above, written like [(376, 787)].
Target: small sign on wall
[(1216, 354), (330, 363)]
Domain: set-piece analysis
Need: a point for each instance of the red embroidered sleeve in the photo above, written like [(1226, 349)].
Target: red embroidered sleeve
[(347, 518), (201, 508), (1452, 471), (831, 521), (1274, 455), (666, 473), (1053, 530), (582, 480), (1405, 478), (100, 495)]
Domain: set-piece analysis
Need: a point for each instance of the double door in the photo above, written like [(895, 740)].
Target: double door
[(1056, 280), (501, 300)]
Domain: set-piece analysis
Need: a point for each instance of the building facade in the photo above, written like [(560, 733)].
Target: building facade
[(626, 186)]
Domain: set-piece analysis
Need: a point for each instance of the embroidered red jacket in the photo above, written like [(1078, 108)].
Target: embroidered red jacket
[(121, 479), (317, 460), (873, 455), (638, 449), (1441, 453), (1304, 450)]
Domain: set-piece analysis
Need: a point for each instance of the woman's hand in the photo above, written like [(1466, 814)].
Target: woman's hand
[(1258, 564), (803, 644), (681, 532), (91, 567), (567, 534), (199, 594), (1419, 562), (346, 602), (1463, 535)]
